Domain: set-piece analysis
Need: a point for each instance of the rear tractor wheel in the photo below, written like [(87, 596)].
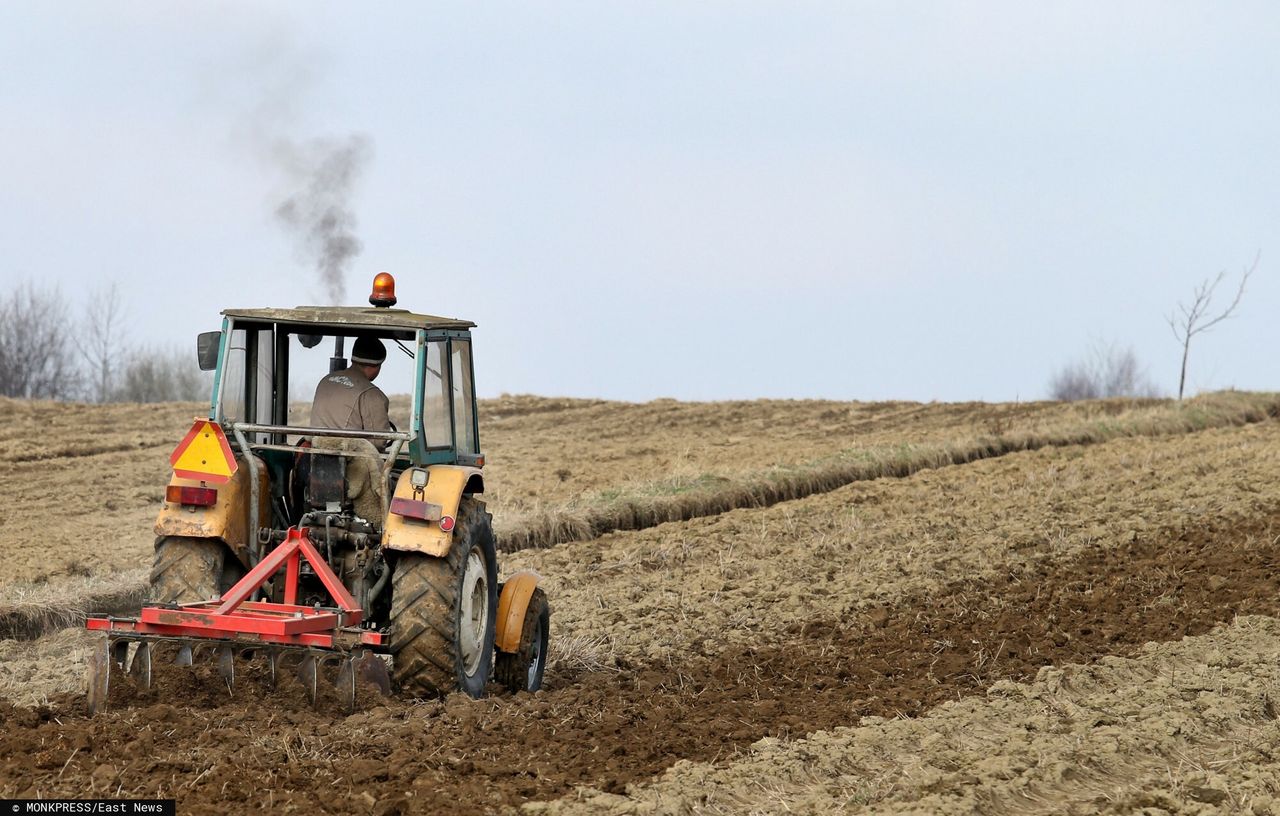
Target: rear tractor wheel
[(443, 610), (187, 570)]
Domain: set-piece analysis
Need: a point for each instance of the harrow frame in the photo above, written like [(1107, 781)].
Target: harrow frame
[(232, 623)]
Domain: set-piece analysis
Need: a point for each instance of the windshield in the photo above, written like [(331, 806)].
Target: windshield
[(308, 365), (270, 375), (247, 389)]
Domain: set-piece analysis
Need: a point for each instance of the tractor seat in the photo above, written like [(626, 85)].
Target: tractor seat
[(325, 480)]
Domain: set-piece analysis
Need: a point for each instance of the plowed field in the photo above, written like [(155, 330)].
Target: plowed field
[(1076, 628), (82, 484)]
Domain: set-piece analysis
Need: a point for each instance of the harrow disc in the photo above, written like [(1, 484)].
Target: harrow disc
[(99, 676), (128, 662)]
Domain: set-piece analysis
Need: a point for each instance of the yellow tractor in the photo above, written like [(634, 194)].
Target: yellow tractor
[(317, 546)]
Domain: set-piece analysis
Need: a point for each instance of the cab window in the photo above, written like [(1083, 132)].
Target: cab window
[(435, 397), (464, 426), (245, 392)]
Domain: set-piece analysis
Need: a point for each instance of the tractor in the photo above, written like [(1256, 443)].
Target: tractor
[(264, 548)]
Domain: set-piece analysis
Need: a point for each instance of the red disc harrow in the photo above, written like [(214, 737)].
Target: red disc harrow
[(233, 623)]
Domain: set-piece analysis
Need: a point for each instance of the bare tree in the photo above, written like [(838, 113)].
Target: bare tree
[(101, 345), (35, 354), (160, 375), (1106, 371), (1194, 319)]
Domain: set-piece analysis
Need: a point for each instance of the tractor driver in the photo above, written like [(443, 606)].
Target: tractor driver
[(348, 399)]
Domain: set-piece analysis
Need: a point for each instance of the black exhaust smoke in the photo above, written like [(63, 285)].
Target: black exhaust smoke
[(321, 176)]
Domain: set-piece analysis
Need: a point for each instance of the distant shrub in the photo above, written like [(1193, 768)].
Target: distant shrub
[(161, 375), (1107, 371)]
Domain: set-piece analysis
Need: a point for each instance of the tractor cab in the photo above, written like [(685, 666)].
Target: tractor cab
[(267, 363)]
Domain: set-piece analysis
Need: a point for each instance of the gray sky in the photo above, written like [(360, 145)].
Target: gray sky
[(697, 200)]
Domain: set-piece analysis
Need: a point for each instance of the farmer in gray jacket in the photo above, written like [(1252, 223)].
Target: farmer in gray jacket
[(348, 400)]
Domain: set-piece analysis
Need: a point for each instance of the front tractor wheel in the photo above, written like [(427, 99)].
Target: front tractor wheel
[(443, 610), (187, 570), (523, 670)]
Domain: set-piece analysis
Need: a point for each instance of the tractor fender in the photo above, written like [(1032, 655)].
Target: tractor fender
[(512, 606), (446, 485), (227, 519)]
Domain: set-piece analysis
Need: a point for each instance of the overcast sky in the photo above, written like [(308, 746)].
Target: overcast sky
[(697, 200)]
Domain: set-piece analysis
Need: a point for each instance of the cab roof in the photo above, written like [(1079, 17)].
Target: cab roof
[(357, 317)]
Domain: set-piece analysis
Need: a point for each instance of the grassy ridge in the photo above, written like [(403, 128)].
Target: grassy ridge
[(31, 610), (683, 497)]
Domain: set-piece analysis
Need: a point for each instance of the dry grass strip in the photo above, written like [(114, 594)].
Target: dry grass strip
[(28, 611), (681, 498)]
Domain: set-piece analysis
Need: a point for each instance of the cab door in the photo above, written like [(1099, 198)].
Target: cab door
[(466, 437)]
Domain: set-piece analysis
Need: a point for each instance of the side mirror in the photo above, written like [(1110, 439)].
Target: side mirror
[(207, 344)]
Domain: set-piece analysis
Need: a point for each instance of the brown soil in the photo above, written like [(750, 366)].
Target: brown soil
[(606, 730), (1186, 726)]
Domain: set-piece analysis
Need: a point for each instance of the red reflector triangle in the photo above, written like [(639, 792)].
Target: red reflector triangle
[(204, 454)]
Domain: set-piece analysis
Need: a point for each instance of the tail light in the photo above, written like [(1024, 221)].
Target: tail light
[(191, 496), (446, 523)]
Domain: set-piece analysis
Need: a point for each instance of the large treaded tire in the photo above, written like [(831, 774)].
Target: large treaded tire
[(187, 570), (427, 611), (523, 670)]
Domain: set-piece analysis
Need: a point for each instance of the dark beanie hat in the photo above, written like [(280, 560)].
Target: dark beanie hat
[(368, 350)]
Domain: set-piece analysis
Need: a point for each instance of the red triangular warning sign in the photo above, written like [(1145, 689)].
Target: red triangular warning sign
[(204, 454)]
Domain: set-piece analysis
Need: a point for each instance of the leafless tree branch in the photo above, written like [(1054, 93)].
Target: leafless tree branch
[(35, 354), (101, 346), (1194, 320)]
